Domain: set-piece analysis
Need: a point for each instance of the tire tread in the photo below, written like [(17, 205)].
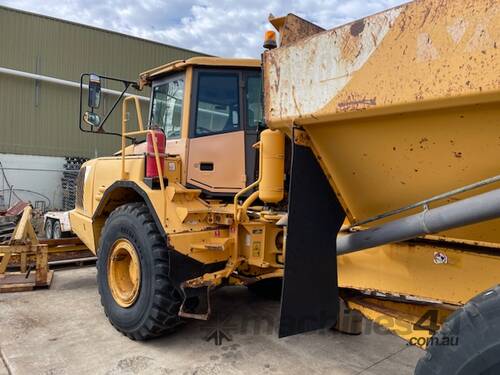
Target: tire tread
[(467, 323), (162, 316)]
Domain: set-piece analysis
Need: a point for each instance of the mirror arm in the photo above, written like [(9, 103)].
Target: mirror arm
[(100, 129)]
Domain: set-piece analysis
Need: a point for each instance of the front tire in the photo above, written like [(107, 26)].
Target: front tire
[(132, 275)]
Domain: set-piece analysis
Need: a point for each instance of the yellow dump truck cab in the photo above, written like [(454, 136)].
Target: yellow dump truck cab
[(164, 242), (211, 112)]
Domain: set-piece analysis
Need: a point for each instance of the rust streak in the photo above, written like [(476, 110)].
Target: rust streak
[(357, 104)]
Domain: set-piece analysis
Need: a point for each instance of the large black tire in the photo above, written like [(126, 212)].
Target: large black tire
[(474, 334), (155, 310), (268, 288)]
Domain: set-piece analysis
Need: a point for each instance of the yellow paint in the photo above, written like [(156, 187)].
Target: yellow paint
[(409, 157), (173, 169), (84, 229), (124, 273), (376, 160), (228, 174), (416, 117), (433, 49), (412, 322), (186, 110), (271, 187), (408, 268), (179, 65)]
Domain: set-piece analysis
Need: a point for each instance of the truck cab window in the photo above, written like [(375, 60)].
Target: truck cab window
[(166, 111), (218, 107), (254, 102)]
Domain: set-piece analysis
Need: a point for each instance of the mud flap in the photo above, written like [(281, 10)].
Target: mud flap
[(310, 299)]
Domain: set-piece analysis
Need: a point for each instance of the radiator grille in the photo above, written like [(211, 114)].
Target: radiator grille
[(80, 180)]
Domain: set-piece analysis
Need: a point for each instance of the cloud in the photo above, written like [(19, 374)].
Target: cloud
[(217, 27)]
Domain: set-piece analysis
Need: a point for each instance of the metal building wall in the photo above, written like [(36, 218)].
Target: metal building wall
[(40, 118)]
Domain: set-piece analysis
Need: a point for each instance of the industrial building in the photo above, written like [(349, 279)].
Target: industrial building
[(40, 66)]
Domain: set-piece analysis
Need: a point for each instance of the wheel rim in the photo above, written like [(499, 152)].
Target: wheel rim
[(124, 273)]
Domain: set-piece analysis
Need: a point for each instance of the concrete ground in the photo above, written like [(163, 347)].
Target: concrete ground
[(63, 330)]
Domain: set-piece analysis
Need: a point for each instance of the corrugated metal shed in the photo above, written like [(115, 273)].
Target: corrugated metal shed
[(40, 118)]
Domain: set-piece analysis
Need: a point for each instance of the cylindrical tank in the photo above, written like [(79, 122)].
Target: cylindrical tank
[(271, 187), (151, 169)]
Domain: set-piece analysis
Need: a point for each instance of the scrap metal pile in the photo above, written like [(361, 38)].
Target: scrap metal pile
[(9, 219)]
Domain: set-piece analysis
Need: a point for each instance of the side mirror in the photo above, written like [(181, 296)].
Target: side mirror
[(91, 118), (94, 91)]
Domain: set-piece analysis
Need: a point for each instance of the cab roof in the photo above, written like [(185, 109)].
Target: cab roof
[(146, 77)]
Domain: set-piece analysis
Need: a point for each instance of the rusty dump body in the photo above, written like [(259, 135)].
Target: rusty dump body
[(397, 107)]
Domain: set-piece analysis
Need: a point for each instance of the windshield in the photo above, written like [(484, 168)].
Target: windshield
[(166, 110)]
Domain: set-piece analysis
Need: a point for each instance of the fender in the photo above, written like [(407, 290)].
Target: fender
[(181, 267), (129, 186)]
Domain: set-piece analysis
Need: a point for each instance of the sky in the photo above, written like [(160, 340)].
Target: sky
[(229, 28)]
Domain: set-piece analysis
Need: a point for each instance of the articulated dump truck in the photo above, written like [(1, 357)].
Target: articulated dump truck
[(352, 169)]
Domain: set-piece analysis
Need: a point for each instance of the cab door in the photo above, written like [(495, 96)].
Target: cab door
[(216, 155)]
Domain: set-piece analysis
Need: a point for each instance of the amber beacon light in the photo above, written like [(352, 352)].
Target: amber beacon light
[(270, 39)]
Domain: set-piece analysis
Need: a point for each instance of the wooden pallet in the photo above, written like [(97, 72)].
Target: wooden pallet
[(18, 282)]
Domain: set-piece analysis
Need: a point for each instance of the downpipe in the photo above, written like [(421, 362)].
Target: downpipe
[(468, 211), (61, 82)]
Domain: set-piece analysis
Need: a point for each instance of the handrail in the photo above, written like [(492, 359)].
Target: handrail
[(124, 127), (141, 131), (240, 212)]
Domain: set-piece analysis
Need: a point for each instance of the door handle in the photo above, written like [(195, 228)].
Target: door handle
[(206, 166)]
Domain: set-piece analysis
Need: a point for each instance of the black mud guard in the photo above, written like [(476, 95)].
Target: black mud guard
[(310, 299)]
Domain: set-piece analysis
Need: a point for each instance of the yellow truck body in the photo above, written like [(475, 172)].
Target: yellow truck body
[(399, 106), (392, 148)]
